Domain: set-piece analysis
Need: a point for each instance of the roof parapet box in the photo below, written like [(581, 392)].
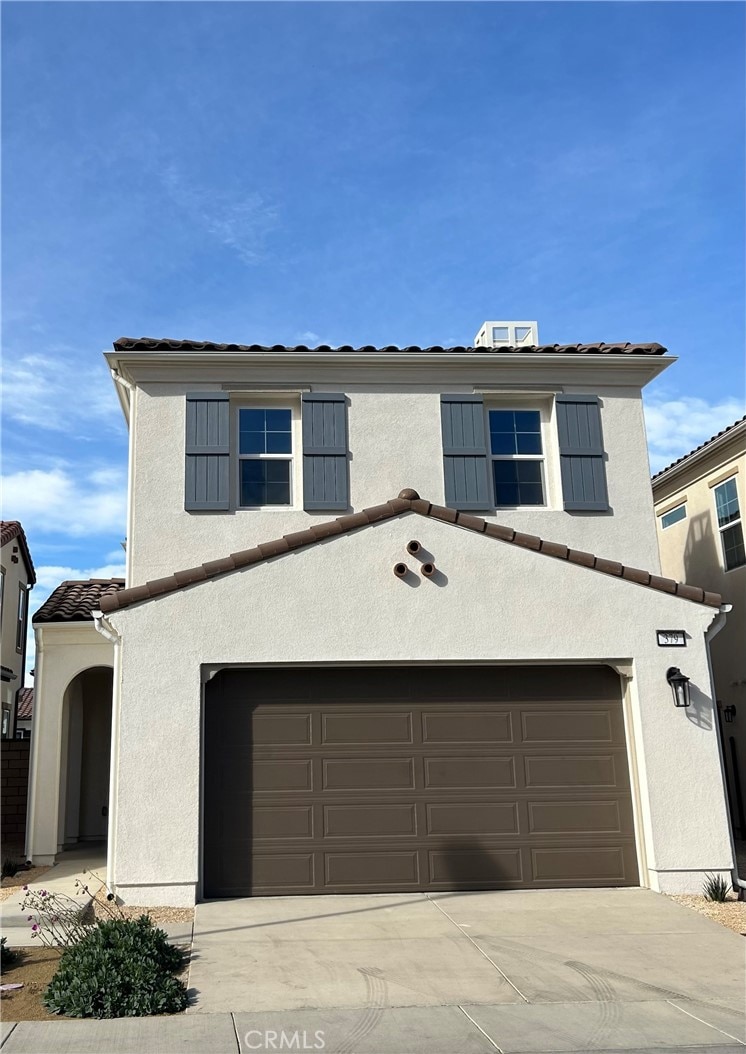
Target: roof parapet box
[(507, 334)]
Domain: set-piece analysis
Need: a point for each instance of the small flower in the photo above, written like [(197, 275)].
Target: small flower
[(35, 927), (25, 889), (29, 918)]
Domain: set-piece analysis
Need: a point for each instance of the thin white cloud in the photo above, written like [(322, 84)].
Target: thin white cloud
[(677, 425), (241, 222), (58, 501), (55, 392)]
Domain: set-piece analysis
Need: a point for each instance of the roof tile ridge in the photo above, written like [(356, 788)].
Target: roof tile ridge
[(559, 551)]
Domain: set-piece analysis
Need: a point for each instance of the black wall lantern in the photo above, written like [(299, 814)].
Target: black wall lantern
[(729, 713), (679, 686)]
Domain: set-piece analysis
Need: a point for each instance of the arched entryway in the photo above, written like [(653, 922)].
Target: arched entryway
[(85, 758)]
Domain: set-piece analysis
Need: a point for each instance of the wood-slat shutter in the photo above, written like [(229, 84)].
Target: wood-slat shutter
[(207, 472), (582, 458), (325, 470), (464, 452)]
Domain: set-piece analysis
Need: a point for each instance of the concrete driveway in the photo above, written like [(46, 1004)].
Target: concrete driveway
[(532, 971)]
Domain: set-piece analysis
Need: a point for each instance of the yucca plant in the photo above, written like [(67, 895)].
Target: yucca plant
[(715, 888)]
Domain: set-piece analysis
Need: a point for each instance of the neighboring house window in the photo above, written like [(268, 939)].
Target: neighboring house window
[(6, 723), (668, 519), (730, 524), (21, 624), (265, 447), (517, 457)]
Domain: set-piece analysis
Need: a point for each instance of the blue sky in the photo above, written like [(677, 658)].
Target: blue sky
[(354, 173)]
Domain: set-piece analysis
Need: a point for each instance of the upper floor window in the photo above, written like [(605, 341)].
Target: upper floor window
[(668, 519), (730, 524), (265, 453), (270, 450), (517, 455), (21, 623)]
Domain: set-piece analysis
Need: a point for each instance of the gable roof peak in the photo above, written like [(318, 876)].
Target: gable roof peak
[(123, 598)]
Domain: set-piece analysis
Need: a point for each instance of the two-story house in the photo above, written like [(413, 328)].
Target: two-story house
[(700, 501), (17, 579), (393, 619)]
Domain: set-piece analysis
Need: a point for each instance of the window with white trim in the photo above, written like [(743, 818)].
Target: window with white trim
[(21, 623), (517, 456), (265, 456), (668, 519), (730, 524)]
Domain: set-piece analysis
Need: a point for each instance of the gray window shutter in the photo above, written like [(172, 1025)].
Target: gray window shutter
[(325, 482), (464, 452), (582, 453), (207, 477)]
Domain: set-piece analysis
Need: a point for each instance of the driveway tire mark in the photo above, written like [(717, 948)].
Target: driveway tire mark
[(376, 997), (606, 998)]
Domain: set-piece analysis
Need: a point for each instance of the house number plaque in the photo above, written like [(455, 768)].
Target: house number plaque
[(671, 638)]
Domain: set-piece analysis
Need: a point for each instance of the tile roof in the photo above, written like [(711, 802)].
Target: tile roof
[(10, 529), (165, 344), (408, 501), (701, 446), (75, 601), (25, 704)]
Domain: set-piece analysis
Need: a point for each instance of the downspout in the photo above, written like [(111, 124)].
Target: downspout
[(710, 633), (34, 750), (107, 631)]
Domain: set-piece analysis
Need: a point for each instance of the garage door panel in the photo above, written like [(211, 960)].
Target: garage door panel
[(462, 726), (278, 729), (280, 871), (279, 775), (415, 778), (372, 774), (591, 864), (480, 818), (588, 771), (370, 821), (575, 817), (454, 867), (469, 771), (384, 728), (355, 871), (282, 821), (567, 726)]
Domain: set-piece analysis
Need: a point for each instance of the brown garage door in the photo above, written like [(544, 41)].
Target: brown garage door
[(415, 778)]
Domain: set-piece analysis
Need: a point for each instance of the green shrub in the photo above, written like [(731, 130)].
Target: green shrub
[(10, 867), (715, 888), (121, 968), (7, 955)]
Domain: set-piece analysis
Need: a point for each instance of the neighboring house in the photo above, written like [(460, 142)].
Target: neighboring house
[(24, 713), (17, 578), (700, 505), (393, 619)]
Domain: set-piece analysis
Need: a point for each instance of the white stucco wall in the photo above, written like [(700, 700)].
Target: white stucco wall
[(395, 442), (15, 575), (339, 602), (62, 652)]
